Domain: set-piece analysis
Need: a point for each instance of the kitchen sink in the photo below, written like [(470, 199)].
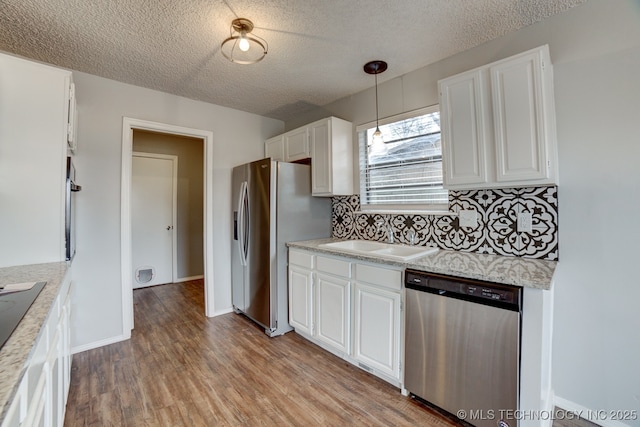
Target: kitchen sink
[(380, 249)]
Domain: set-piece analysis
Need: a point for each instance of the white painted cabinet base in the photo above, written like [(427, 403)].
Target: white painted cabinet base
[(41, 398), (355, 312), (376, 341), (301, 300)]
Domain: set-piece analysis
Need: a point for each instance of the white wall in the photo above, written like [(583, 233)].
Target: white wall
[(595, 49), (238, 137)]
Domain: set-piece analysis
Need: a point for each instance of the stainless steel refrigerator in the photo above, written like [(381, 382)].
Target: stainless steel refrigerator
[(272, 205)]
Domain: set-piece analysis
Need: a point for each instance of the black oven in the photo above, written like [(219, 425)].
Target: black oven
[(70, 210)]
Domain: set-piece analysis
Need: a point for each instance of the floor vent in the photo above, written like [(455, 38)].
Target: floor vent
[(144, 274)]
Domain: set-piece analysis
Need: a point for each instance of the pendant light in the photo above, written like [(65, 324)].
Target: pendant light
[(375, 68), (243, 47)]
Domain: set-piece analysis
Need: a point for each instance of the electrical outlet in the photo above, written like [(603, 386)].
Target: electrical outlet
[(468, 218), (524, 222)]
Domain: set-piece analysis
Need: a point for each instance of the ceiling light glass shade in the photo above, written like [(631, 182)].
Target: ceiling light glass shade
[(243, 47)]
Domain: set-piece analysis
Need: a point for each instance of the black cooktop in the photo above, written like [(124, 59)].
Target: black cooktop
[(13, 307)]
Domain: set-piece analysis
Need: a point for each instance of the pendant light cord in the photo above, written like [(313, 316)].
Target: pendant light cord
[(376, 77)]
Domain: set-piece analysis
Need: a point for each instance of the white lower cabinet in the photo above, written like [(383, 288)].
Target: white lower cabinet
[(42, 395), (377, 328), (300, 299), (354, 312), (332, 312), (18, 409)]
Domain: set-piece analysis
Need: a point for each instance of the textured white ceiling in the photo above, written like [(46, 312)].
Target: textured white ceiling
[(316, 47)]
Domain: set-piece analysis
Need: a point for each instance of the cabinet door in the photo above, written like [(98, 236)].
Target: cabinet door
[(518, 112), (32, 132), (274, 148), (17, 411), (38, 405), (72, 120), (300, 299), (377, 328), (463, 129), (332, 311), (65, 318), (56, 398), (321, 171), (296, 145)]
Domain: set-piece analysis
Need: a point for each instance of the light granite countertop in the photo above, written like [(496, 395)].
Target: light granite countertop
[(525, 272), (17, 350)]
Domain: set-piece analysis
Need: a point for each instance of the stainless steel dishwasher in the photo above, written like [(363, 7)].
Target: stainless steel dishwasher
[(462, 346)]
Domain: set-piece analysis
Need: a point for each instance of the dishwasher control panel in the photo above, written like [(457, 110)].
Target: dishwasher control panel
[(490, 293), (462, 287)]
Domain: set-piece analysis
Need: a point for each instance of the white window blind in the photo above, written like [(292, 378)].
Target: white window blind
[(406, 170)]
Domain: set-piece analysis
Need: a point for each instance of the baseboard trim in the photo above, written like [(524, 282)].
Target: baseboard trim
[(97, 344), (187, 279), (221, 312), (601, 417)]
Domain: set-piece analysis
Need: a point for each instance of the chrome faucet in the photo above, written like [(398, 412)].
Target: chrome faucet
[(390, 233), (380, 224), (412, 237)]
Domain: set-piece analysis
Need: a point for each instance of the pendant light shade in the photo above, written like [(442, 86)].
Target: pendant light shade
[(242, 46), (375, 68)]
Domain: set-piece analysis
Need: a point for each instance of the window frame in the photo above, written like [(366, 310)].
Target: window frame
[(439, 208)]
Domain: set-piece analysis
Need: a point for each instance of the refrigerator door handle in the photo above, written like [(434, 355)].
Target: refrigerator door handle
[(243, 203), (240, 223)]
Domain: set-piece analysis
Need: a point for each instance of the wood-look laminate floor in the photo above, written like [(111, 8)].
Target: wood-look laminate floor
[(182, 369)]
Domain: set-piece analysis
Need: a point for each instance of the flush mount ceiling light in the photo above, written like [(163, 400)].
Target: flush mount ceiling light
[(243, 47), (375, 68)]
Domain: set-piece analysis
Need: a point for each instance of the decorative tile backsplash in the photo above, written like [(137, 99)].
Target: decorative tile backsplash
[(495, 232)]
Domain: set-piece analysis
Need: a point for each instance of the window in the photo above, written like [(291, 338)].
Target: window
[(405, 172)]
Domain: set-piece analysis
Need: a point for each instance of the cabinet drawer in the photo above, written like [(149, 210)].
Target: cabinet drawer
[(303, 259), (333, 266), (384, 277)]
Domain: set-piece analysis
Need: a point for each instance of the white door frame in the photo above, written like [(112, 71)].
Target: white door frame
[(174, 208), (128, 125)]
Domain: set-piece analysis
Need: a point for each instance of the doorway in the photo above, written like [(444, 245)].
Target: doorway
[(206, 140), (188, 225), (154, 185)]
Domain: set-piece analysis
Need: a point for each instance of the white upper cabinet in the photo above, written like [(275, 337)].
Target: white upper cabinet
[(34, 119), (296, 145), (498, 124), (328, 143), (331, 157), (274, 148), (519, 108), (72, 118), (288, 147), (462, 118)]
